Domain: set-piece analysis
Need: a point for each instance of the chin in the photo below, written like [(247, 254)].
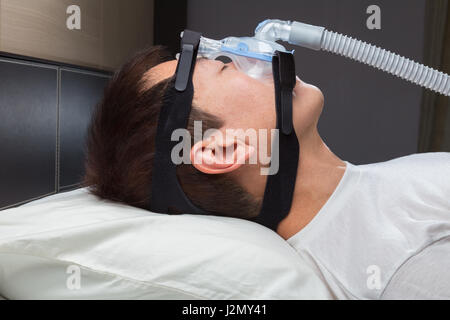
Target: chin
[(308, 104)]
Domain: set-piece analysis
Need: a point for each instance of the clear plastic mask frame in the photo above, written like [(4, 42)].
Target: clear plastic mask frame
[(249, 55)]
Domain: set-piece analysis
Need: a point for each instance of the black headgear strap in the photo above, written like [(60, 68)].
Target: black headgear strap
[(166, 192), (280, 186)]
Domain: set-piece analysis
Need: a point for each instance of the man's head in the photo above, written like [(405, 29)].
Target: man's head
[(122, 134)]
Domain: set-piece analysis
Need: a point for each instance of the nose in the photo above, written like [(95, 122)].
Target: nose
[(231, 65)]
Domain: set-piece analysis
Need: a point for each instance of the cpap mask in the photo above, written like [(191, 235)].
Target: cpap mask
[(250, 55)]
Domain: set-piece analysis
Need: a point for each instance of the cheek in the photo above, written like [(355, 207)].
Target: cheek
[(253, 102)]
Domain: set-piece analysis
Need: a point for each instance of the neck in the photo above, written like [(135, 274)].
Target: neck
[(318, 174)]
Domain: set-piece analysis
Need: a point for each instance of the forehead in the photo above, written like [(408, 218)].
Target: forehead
[(167, 69), (161, 71)]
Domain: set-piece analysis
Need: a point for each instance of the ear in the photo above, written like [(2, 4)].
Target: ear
[(217, 155)]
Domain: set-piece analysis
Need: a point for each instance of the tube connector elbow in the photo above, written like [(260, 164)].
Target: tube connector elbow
[(273, 30), (296, 33)]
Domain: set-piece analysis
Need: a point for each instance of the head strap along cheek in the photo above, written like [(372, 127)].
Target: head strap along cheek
[(166, 192), (280, 187)]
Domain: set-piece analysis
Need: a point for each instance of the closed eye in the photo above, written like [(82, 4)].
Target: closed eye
[(224, 67)]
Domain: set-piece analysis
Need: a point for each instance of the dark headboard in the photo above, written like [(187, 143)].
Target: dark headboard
[(45, 110)]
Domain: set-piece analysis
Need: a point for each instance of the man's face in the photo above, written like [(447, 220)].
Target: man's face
[(243, 102)]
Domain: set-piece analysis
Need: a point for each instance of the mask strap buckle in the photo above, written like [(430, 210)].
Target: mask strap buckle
[(184, 66)]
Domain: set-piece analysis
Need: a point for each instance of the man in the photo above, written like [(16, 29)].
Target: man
[(356, 225)]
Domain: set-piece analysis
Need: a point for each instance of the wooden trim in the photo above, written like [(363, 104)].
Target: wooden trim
[(111, 30)]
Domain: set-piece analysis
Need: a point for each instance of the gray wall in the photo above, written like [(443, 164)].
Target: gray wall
[(369, 116), (44, 111)]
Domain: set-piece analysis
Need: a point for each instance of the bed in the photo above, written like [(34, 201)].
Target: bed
[(58, 241)]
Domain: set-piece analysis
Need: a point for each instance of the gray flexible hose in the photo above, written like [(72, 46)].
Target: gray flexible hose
[(387, 61), (318, 38)]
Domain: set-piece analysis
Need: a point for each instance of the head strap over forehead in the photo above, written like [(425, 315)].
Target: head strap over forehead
[(166, 192)]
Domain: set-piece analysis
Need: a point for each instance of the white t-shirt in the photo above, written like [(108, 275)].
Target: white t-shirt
[(385, 231)]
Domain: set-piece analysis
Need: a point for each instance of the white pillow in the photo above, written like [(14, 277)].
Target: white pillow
[(76, 246)]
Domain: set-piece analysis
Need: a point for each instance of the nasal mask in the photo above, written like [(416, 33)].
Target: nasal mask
[(250, 55), (262, 58)]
